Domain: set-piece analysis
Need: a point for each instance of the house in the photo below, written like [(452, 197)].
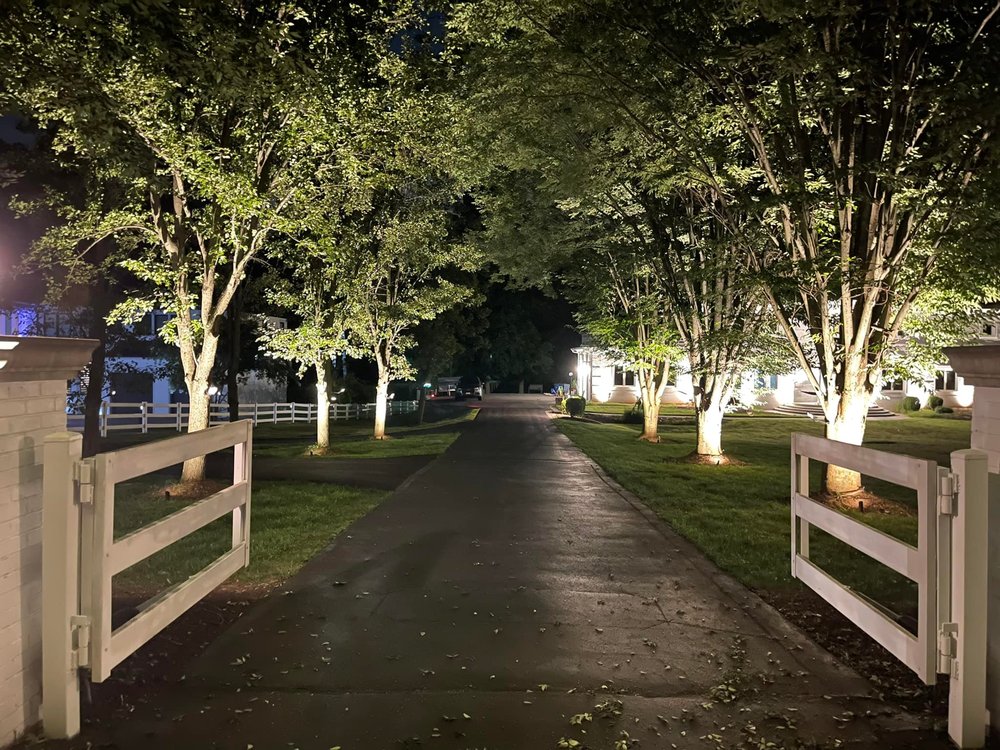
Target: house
[(601, 378), (138, 367)]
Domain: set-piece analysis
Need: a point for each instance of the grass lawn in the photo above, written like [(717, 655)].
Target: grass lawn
[(677, 410), (290, 522), (739, 515), (666, 410), (351, 440)]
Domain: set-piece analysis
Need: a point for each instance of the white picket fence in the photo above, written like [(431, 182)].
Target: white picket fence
[(146, 416)]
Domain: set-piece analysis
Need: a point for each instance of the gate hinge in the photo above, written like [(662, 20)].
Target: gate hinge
[(948, 649), (80, 625), (83, 473), (947, 494)]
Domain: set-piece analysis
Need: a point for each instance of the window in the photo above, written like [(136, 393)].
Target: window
[(160, 319), (989, 329), (623, 376), (893, 385), (945, 380)]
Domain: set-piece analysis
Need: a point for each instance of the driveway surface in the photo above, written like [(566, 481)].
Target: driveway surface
[(508, 596)]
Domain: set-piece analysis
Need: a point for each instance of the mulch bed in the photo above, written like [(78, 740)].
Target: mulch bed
[(893, 681)]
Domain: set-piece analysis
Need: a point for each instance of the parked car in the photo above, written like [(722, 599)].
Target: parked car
[(469, 388)]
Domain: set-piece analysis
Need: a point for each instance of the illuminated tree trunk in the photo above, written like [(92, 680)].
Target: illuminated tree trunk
[(198, 419), (322, 407), (381, 404), (847, 424), (710, 414), (652, 383), (200, 369)]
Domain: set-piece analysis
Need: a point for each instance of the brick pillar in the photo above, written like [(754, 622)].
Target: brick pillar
[(33, 379), (980, 366)]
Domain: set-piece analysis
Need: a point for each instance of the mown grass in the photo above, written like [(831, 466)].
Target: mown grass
[(677, 410), (353, 441), (739, 515), (290, 523)]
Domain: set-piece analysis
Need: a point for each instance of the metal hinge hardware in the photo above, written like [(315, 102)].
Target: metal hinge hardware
[(80, 625), (948, 494), (948, 649), (83, 473)]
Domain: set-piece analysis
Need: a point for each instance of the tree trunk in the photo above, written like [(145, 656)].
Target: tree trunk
[(322, 407), (421, 403), (520, 386), (381, 405), (848, 426), (199, 414), (650, 421), (198, 419), (710, 414), (652, 384), (94, 397), (235, 325)]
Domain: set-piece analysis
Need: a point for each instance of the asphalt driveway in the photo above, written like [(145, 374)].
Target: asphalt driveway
[(509, 596)]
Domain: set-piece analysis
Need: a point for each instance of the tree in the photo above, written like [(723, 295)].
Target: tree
[(868, 125), (622, 305), (394, 281), (211, 118), (321, 334), (439, 341)]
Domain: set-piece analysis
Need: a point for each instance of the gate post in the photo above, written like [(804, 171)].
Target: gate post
[(60, 584), (967, 696)]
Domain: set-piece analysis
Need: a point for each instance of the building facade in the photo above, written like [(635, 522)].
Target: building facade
[(601, 378)]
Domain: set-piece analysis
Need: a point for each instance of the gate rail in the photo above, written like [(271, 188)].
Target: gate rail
[(918, 652), (948, 565), (81, 555)]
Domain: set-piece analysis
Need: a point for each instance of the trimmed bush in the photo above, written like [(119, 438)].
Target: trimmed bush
[(910, 403), (933, 402), (633, 415), (576, 406), (944, 410)]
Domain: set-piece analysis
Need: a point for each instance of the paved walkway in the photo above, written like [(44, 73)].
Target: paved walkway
[(495, 595)]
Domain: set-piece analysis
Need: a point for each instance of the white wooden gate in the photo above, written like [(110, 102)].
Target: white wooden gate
[(948, 565), (81, 555)]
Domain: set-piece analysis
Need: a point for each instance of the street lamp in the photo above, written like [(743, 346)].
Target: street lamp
[(212, 390)]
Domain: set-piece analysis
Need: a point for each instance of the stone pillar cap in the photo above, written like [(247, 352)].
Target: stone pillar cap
[(978, 365), (29, 358)]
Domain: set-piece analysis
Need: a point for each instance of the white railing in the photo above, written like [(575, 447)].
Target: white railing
[(145, 416), (948, 565), (81, 555)]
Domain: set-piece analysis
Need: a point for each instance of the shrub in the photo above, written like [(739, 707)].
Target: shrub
[(576, 406), (940, 409), (633, 415), (910, 403), (933, 402)]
